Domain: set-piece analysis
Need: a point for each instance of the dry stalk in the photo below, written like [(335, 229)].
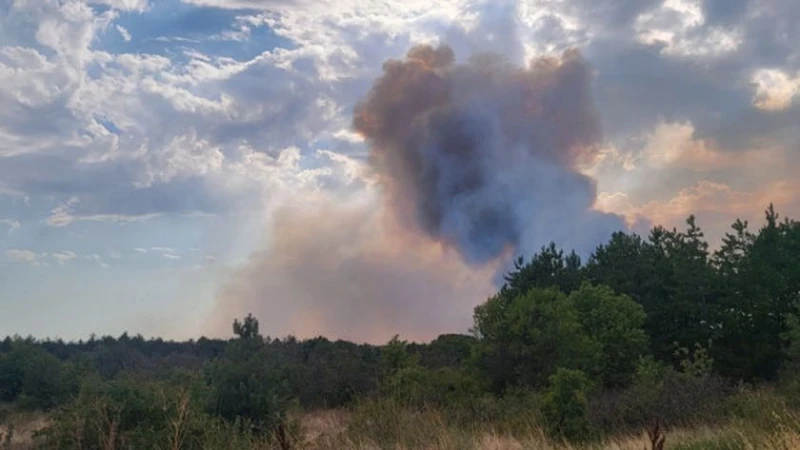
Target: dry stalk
[(178, 423), (657, 437)]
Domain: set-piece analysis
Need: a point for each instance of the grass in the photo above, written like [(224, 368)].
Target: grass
[(429, 430), (332, 436), (17, 429), (757, 420)]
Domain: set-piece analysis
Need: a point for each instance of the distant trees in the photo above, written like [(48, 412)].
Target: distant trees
[(323, 373), (35, 378), (736, 300)]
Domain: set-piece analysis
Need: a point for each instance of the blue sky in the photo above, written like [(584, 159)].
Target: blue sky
[(166, 166)]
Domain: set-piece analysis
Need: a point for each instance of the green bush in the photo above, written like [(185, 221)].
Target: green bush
[(565, 405), (659, 392), (128, 413)]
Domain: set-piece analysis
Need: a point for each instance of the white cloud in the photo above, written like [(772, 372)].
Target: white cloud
[(64, 257), (674, 145), (126, 35), (140, 129), (97, 259), (63, 215), (678, 25), (124, 5), (167, 252), (12, 224), (23, 256), (774, 89), (720, 201)]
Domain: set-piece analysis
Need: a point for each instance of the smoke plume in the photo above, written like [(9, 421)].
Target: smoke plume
[(342, 271), (483, 156), (474, 162)]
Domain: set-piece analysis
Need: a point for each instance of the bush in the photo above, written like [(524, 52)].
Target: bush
[(445, 387), (565, 405), (661, 393), (127, 413)]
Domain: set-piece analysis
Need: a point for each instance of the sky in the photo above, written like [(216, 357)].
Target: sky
[(169, 165)]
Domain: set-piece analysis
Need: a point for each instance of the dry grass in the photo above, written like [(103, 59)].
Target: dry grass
[(17, 431), (329, 430), (345, 430)]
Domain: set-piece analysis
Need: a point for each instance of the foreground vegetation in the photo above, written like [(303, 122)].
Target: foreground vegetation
[(566, 355)]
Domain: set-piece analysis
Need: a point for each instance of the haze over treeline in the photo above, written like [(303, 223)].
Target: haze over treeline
[(648, 327)]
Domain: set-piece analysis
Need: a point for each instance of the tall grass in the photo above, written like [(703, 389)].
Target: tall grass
[(752, 419)]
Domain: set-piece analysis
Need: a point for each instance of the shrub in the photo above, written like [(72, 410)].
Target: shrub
[(127, 413), (565, 405), (660, 393)]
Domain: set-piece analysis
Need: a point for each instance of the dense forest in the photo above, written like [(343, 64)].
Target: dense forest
[(656, 328)]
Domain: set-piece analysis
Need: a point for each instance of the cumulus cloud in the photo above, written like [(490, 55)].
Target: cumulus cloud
[(674, 145), (715, 204), (775, 89), (111, 125), (674, 26)]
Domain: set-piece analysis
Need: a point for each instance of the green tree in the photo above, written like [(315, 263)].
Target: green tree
[(524, 340), (322, 373), (395, 356), (671, 276), (247, 381), (548, 268), (247, 328), (615, 323), (447, 350), (761, 274)]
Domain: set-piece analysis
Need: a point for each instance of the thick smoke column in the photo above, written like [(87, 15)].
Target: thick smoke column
[(483, 156)]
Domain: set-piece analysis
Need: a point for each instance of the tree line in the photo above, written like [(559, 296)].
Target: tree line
[(655, 325)]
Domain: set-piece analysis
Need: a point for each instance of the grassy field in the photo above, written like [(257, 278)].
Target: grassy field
[(329, 430), (350, 429)]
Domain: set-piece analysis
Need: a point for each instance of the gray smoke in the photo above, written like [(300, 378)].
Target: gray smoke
[(483, 156)]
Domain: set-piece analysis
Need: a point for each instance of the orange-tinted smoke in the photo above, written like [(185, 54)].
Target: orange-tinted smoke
[(445, 136)]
